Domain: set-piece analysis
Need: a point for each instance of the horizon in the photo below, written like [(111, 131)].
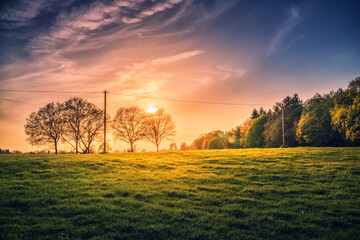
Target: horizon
[(246, 52)]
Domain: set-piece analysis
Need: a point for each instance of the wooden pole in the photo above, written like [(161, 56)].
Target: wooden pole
[(283, 126), (105, 121)]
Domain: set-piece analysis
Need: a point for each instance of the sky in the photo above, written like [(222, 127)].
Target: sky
[(247, 52)]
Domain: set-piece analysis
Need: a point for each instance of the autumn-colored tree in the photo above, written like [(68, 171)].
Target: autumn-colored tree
[(159, 126), (184, 146), (129, 125), (243, 129), (232, 138), (173, 147), (202, 142), (46, 126)]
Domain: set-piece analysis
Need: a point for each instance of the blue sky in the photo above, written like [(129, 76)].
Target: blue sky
[(254, 52)]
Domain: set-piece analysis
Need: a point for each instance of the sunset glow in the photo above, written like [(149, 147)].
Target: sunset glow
[(151, 110), (175, 54)]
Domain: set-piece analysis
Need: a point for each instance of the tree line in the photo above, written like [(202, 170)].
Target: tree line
[(328, 120), (80, 124)]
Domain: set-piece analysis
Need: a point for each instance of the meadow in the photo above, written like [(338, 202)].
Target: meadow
[(294, 193)]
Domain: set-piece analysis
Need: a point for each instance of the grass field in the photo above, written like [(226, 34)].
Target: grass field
[(295, 193)]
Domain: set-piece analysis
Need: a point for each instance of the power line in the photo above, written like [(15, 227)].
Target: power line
[(139, 96), (41, 91), (192, 101)]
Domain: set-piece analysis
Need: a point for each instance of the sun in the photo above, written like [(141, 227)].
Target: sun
[(151, 109)]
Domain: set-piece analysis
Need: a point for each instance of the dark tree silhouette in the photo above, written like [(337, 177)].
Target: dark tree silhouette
[(92, 126), (255, 114), (46, 126), (160, 126), (83, 122), (262, 111), (129, 125)]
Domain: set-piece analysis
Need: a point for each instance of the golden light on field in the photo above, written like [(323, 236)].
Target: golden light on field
[(151, 109)]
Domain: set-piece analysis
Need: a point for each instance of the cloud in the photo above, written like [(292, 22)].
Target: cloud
[(23, 12), (86, 43), (284, 30), (230, 71), (176, 57), (20, 14), (82, 23), (146, 76), (160, 7)]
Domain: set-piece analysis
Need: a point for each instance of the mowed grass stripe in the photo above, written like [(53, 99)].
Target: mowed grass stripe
[(296, 193)]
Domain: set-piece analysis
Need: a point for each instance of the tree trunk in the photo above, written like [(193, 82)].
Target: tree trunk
[(56, 147), (131, 147), (157, 147)]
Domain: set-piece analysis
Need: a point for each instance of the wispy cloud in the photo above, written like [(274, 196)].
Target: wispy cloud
[(230, 71), (160, 7), (146, 76), (284, 30), (20, 14), (82, 23)]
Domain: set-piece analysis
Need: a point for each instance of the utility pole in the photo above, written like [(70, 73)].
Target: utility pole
[(283, 127), (105, 121)]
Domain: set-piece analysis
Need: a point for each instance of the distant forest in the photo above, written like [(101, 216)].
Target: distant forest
[(329, 120)]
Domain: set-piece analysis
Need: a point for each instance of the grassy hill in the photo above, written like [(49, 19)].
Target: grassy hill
[(295, 193)]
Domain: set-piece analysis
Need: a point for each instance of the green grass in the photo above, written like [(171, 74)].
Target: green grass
[(294, 193)]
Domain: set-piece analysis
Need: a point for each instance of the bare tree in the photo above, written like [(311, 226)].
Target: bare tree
[(129, 125), (160, 126), (46, 126), (83, 122), (92, 127)]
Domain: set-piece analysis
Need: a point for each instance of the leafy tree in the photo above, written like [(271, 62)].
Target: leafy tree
[(198, 142), (314, 128), (129, 125), (255, 136), (209, 136), (46, 126), (345, 114), (273, 128), (243, 130), (202, 142), (232, 138), (159, 126), (215, 142)]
